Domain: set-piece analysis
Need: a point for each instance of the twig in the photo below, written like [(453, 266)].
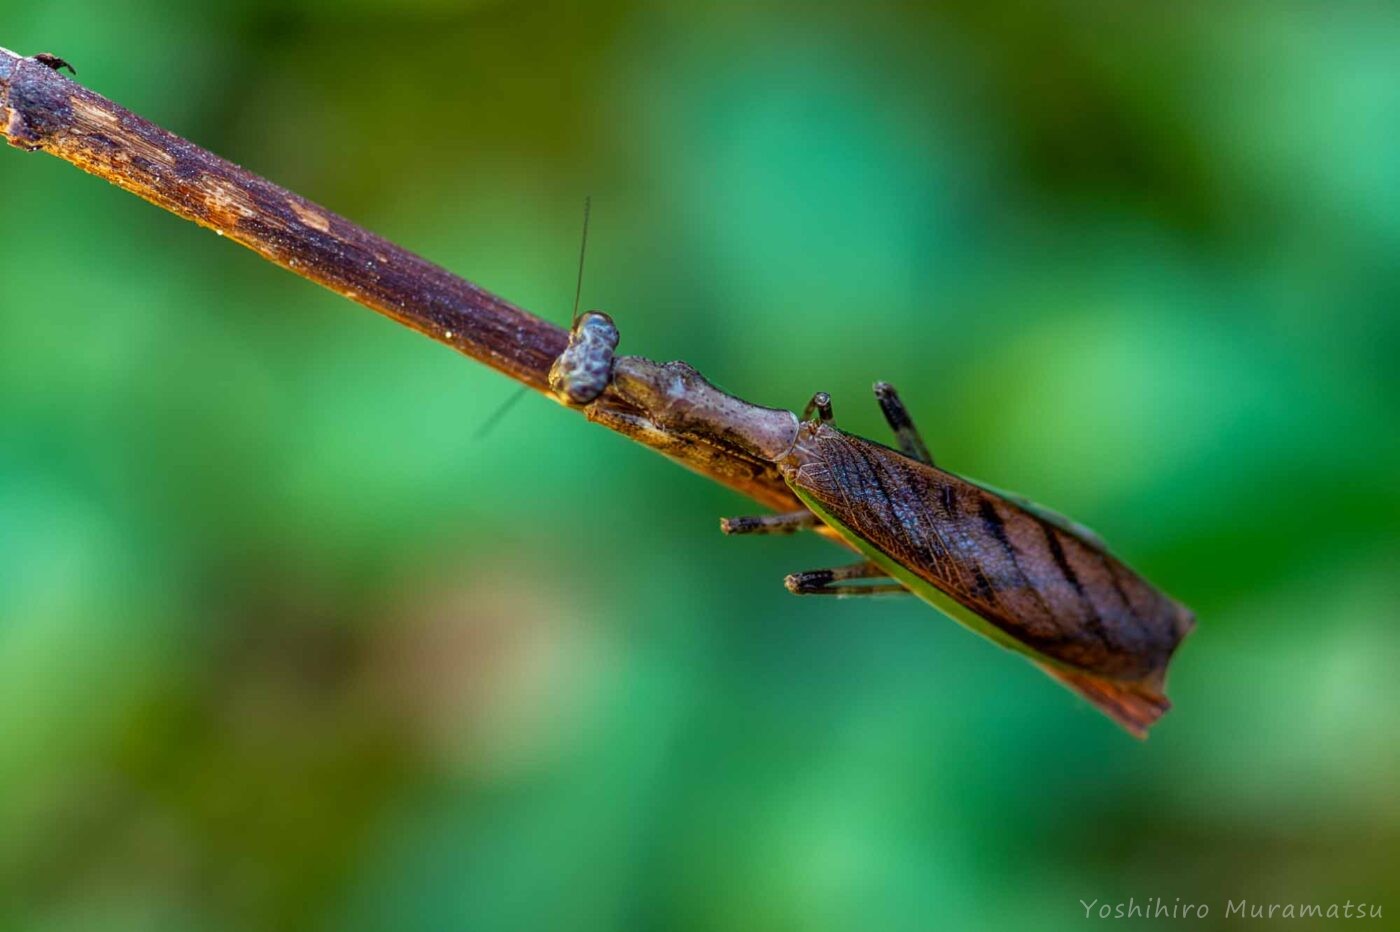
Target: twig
[(41, 109)]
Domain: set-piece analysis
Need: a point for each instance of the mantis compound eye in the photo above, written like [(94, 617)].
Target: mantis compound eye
[(582, 371)]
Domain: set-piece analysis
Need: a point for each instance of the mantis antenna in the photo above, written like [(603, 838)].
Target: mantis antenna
[(582, 251), (490, 423), (581, 373)]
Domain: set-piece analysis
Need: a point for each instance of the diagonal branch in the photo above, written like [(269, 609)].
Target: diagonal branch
[(41, 109)]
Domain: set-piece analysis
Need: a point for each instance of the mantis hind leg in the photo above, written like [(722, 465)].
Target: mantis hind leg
[(821, 582), (787, 523), (911, 444)]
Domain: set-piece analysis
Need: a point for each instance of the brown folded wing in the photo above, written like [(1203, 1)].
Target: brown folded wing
[(1061, 597)]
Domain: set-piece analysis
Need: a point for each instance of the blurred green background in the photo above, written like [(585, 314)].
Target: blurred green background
[(285, 645)]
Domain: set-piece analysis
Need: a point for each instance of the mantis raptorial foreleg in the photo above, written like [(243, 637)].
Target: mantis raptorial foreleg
[(819, 582)]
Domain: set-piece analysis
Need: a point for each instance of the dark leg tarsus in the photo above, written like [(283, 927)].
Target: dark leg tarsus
[(787, 523), (910, 443), (54, 62), (820, 403), (819, 582)]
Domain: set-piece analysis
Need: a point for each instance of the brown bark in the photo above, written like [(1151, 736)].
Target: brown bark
[(42, 110)]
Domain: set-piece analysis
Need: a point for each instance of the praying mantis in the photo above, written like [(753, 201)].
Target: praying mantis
[(1010, 570), (1022, 576)]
